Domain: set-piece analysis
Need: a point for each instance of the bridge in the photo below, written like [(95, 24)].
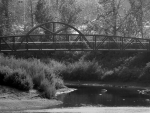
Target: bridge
[(57, 36)]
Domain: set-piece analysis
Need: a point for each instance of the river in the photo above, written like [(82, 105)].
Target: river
[(97, 98), (102, 96)]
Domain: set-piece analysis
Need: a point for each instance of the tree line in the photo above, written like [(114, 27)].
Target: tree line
[(129, 18)]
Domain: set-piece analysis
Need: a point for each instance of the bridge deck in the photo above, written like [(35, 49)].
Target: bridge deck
[(72, 42), (34, 50)]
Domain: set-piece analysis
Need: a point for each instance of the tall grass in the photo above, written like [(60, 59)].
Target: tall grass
[(80, 70), (27, 74), (145, 75), (108, 67), (122, 67)]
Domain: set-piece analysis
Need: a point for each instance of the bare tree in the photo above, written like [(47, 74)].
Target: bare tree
[(140, 10), (30, 12), (114, 19), (44, 13), (68, 11), (4, 16), (109, 16)]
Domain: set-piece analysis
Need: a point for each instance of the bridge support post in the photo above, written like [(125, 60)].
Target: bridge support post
[(94, 44), (14, 44), (27, 43), (41, 43), (121, 44), (68, 42), (0, 44), (149, 46)]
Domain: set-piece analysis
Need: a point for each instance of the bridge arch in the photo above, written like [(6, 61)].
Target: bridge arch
[(53, 28)]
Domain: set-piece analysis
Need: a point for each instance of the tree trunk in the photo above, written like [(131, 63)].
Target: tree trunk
[(114, 19)]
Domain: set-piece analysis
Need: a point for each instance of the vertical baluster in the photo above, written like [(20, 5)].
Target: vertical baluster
[(0, 43), (54, 42), (68, 47), (82, 44), (108, 42), (95, 43), (121, 44), (149, 46), (53, 36), (41, 43), (69, 42), (14, 44), (27, 43)]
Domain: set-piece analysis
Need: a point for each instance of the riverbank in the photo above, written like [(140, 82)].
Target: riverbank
[(24, 104), (27, 74), (95, 110), (47, 75), (134, 85), (13, 99), (141, 88)]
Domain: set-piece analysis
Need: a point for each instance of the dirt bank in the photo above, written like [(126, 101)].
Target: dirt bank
[(10, 104), (95, 110), (12, 99)]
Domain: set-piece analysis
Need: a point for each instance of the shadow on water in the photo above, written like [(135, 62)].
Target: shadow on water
[(103, 96)]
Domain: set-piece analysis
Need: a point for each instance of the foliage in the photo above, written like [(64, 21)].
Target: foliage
[(128, 75), (15, 78), (27, 74), (42, 12), (19, 79), (106, 66), (121, 17), (46, 75), (68, 56), (4, 16), (82, 70), (109, 75), (47, 88), (144, 76), (68, 11)]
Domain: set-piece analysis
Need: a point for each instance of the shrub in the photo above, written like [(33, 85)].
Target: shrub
[(140, 60), (56, 67), (82, 70), (59, 83), (127, 74), (145, 75), (109, 75), (26, 74), (4, 71), (19, 79), (67, 56), (47, 89), (15, 78)]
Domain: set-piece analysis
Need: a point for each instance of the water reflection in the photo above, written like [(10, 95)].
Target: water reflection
[(96, 96)]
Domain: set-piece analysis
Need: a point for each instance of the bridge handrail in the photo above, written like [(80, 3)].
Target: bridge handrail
[(8, 36)]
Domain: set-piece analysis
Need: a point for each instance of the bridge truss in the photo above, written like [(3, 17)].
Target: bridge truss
[(57, 36)]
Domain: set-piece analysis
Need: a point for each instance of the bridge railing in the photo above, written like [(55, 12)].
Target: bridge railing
[(72, 42)]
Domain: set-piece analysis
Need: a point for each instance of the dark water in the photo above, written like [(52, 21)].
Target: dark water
[(98, 96)]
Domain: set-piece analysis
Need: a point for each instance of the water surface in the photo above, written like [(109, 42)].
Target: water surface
[(104, 96)]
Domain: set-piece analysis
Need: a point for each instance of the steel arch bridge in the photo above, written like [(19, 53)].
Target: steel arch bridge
[(57, 36)]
